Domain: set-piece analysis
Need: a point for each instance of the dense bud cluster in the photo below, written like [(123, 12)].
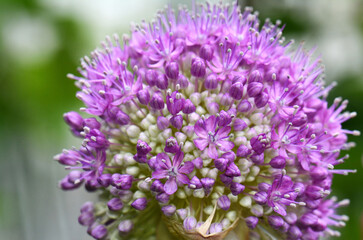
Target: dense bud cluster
[(207, 118)]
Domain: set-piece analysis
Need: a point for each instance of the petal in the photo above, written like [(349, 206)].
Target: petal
[(280, 209), (201, 143), (163, 158), (223, 132), (178, 158), (187, 168), (170, 186), (212, 151), (304, 161), (225, 145), (199, 129), (183, 179), (211, 123), (160, 174)]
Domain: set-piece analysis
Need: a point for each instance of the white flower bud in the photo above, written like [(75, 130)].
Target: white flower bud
[(246, 201), (133, 131), (188, 147), (199, 193)]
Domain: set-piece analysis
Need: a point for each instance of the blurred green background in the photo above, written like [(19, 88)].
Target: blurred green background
[(42, 40)]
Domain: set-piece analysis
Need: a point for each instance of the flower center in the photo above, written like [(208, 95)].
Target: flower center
[(211, 137), (172, 172)]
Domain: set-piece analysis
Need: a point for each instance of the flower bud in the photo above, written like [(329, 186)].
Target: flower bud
[(96, 139), (243, 151), (232, 170), (143, 96), (104, 180), (236, 188), (157, 186), (319, 173), (299, 119), (92, 185), (226, 180), (224, 119), (198, 68), (275, 221), (74, 176), (188, 107), (224, 202), (257, 159), (230, 156), (162, 82), (215, 228), (251, 222), (182, 213), (190, 223), (142, 147), (319, 226), (182, 81), (125, 226), (226, 100), (239, 124), (211, 82), (261, 100), (255, 76), (177, 121), (299, 188), (74, 120), (291, 218), (206, 52), (244, 106), (115, 204), (172, 70), (140, 158), (295, 232), (87, 207), (139, 204), (264, 186), (162, 122), (195, 183), (92, 123), (171, 145), (278, 162), (260, 197), (99, 232), (221, 164), (259, 143), (68, 158), (162, 197), (207, 183), (168, 210), (198, 163), (157, 102), (314, 192), (236, 90), (86, 218), (308, 219), (151, 76), (122, 181), (254, 88)]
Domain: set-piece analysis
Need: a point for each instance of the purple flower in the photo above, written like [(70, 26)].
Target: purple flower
[(281, 194), (208, 114), (175, 172), (212, 136), (175, 103)]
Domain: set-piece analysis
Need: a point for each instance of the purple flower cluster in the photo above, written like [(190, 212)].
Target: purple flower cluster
[(210, 115)]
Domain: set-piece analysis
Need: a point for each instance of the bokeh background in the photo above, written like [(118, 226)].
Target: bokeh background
[(42, 40)]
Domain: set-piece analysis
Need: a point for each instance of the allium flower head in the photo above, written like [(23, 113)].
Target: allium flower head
[(206, 119)]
